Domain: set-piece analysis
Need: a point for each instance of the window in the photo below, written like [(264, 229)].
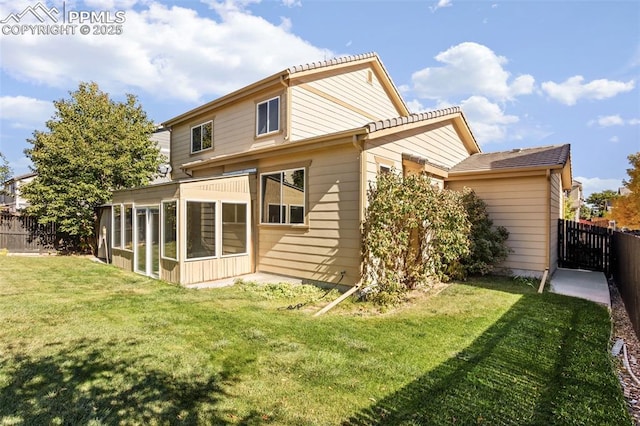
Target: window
[(117, 227), (268, 116), (234, 228), (169, 229), (128, 227), (201, 229), (283, 192), (382, 169), (202, 137)]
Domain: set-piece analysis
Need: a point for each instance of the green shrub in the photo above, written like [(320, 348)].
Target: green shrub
[(415, 233), (412, 232)]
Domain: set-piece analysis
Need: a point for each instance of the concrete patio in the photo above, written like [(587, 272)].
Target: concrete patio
[(587, 285)]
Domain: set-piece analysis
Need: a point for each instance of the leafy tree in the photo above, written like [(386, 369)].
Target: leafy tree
[(5, 172), (93, 146), (585, 212), (568, 211), (626, 209), (600, 200)]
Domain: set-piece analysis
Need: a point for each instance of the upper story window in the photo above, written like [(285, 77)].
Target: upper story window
[(202, 137), (268, 116)]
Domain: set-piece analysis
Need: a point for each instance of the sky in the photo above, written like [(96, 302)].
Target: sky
[(526, 73)]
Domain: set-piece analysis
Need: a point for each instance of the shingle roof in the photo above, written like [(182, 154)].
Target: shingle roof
[(549, 156), (413, 118)]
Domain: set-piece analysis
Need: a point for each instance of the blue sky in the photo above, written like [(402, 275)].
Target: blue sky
[(526, 73)]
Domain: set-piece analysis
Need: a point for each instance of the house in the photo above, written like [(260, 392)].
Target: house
[(273, 178), (11, 199), (576, 198)]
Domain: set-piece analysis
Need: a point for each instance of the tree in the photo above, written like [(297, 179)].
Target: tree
[(626, 209), (93, 146), (5, 172), (585, 212), (600, 200)]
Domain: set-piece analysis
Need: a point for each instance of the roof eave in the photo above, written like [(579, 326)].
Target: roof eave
[(465, 173)]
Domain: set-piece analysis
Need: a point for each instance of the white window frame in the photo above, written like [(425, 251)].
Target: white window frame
[(132, 206), (247, 224), (258, 117), (162, 254), (284, 205), (191, 137), (216, 227), (114, 243)]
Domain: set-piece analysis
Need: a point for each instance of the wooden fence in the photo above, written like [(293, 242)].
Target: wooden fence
[(584, 246), (23, 234), (626, 273)]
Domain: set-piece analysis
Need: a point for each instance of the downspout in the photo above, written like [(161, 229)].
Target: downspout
[(359, 146), (548, 232), (287, 111)]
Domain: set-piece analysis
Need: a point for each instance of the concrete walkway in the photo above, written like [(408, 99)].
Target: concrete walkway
[(587, 285), (258, 277)]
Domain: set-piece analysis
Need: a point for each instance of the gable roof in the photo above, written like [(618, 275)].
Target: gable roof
[(454, 114), (541, 157), (285, 76)]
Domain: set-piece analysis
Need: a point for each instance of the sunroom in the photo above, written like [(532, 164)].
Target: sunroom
[(185, 232)]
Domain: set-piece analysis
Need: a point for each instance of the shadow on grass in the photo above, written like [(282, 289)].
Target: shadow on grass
[(544, 362), (79, 384)]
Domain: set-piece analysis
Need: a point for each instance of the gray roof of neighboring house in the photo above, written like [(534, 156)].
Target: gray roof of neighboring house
[(546, 156)]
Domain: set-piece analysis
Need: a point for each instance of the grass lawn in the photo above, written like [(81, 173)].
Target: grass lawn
[(85, 343)]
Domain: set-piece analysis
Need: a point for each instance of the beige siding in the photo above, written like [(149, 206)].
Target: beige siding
[(338, 102), (520, 205), (440, 145), (330, 242), (234, 131), (555, 213), (123, 259)]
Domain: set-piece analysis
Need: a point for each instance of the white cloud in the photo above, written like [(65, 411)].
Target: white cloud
[(614, 139), (415, 106), (609, 120), (573, 89), (292, 3), (487, 120), (470, 69), (440, 5), (596, 184), (24, 112), (172, 52), (613, 120)]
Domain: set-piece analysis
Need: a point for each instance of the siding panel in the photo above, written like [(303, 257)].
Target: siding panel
[(519, 204)]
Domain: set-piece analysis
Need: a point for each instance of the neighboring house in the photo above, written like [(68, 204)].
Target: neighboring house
[(273, 178), (575, 197), (11, 200)]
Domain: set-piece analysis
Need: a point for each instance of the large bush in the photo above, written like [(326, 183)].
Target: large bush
[(415, 233), (412, 232)]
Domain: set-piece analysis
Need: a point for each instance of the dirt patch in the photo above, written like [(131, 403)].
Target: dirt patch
[(622, 329)]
